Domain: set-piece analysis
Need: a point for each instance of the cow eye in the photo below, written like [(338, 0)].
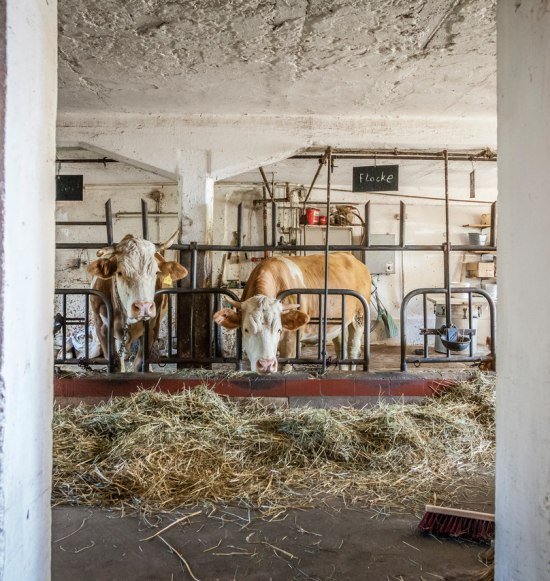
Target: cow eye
[(246, 331)]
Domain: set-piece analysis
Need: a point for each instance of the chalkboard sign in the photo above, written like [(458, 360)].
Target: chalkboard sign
[(376, 178), (69, 188)]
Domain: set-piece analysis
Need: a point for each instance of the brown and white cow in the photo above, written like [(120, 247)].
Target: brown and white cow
[(129, 273), (268, 324)]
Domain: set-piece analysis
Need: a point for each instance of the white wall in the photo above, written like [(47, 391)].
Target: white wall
[(523, 388), (425, 225), (27, 286)]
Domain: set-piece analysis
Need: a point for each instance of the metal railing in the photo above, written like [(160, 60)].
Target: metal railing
[(448, 358), (216, 350), (84, 321), (322, 359)]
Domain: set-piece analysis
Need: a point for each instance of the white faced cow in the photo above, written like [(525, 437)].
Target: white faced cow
[(268, 324), (129, 273)]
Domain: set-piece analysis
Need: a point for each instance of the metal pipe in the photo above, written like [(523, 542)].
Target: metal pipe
[(425, 313), (80, 223), (295, 247), (273, 224), (266, 183), (240, 224), (109, 222), (328, 159), (145, 219), (264, 218), (447, 260), (346, 153), (322, 161), (88, 160)]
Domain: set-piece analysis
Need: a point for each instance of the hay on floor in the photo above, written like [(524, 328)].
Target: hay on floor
[(160, 451)]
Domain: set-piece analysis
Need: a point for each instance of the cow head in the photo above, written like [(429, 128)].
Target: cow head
[(262, 320), (135, 265)]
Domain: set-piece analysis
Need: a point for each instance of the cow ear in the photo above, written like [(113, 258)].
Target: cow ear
[(228, 318), (173, 269), (293, 320), (103, 268)]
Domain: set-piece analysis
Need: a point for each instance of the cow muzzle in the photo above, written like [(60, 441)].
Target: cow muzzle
[(143, 309), (266, 365)]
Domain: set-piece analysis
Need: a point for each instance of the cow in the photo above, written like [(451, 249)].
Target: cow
[(129, 273), (267, 323)]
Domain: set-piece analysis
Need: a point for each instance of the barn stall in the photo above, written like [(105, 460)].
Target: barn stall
[(398, 235), (281, 451)]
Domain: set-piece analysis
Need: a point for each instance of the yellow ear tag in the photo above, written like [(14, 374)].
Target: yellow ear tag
[(167, 280)]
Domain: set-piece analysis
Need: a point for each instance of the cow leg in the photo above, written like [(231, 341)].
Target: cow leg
[(355, 341), (287, 348), (337, 344)]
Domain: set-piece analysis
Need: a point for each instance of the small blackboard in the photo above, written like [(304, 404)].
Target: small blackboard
[(69, 188), (376, 178)]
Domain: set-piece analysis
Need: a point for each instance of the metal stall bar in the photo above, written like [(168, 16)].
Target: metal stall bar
[(320, 292), (108, 358), (193, 359), (145, 219), (108, 223), (449, 358), (328, 159)]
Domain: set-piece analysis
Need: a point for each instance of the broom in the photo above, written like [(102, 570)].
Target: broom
[(454, 522)]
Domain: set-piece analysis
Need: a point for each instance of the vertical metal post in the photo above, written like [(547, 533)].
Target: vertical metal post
[(447, 261), (145, 347), (402, 224), (298, 334), (425, 313), (145, 219), (273, 224), (109, 222), (470, 323), (366, 227), (493, 235), (86, 327), (328, 157), (240, 225), (193, 279), (170, 332), (64, 335), (343, 350), (264, 217)]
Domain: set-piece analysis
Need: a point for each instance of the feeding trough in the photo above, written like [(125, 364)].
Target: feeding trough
[(453, 339)]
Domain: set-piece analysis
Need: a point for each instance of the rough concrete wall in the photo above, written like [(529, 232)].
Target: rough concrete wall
[(523, 388), (27, 286)]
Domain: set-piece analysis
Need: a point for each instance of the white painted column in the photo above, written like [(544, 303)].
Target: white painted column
[(27, 283), (196, 188), (523, 391)]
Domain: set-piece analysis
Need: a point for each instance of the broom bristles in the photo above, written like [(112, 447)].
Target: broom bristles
[(449, 525)]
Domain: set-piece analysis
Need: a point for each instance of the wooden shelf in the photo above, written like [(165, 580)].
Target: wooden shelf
[(482, 226)]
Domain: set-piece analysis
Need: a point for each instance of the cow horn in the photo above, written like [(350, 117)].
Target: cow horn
[(289, 306), (233, 303), (169, 242)]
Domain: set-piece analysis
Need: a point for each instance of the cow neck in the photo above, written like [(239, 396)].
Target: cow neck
[(125, 326), (265, 283)]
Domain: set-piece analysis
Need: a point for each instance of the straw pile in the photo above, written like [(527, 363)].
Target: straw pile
[(160, 451)]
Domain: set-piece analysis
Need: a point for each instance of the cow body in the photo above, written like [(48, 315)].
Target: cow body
[(268, 324), (129, 275)]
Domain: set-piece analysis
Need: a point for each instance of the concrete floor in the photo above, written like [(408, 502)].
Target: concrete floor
[(324, 543)]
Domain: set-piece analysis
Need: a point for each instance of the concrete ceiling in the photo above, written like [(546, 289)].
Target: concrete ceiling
[(336, 57)]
